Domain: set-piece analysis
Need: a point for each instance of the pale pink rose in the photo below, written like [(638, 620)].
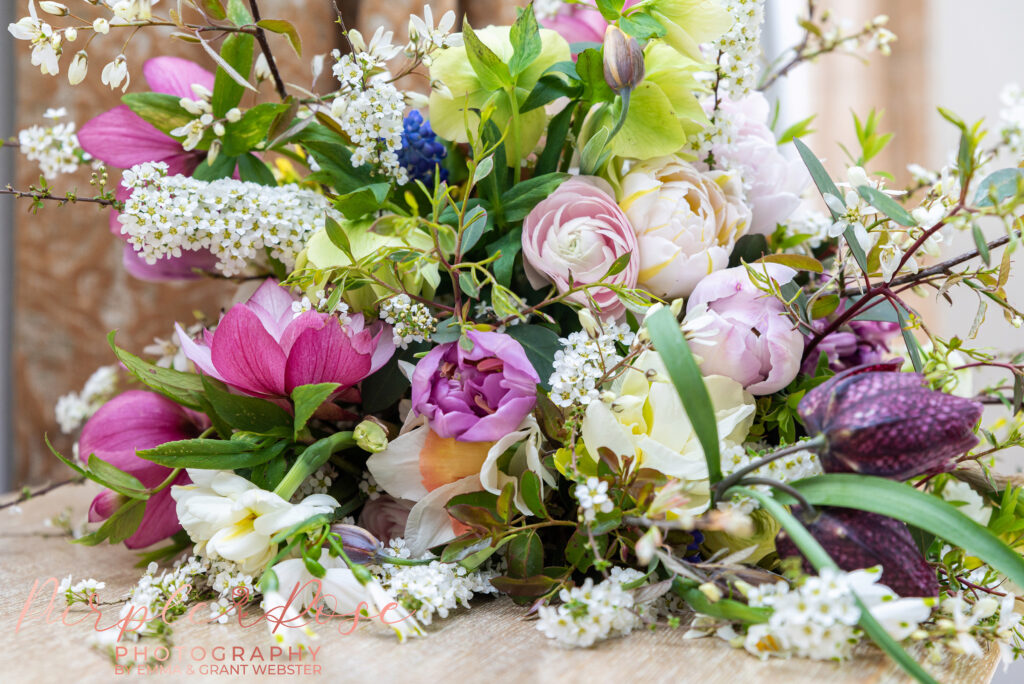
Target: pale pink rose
[(773, 180), (742, 332), (385, 516), (687, 222), (578, 232)]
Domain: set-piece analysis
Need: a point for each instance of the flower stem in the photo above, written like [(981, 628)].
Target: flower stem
[(311, 459), (814, 444), (516, 134)]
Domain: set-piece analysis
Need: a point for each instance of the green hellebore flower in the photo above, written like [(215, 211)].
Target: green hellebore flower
[(453, 69), (688, 23), (322, 253)]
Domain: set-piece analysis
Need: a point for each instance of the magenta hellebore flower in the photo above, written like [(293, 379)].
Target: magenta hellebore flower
[(122, 139), (580, 22), (261, 348), (879, 421), (480, 395), (858, 539), (134, 421)]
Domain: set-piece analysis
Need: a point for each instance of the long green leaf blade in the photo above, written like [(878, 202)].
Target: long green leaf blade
[(689, 383)]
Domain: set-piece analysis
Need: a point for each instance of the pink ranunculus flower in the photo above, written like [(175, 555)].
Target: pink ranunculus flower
[(577, 233), (479, 395), (742, 332), (580, 22), (262, 348), (133, 421), (385, 517), (122, 139), (773, 181)]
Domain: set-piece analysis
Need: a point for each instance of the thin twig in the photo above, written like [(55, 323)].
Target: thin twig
[(261, 38), (27, 494), (56, 198)]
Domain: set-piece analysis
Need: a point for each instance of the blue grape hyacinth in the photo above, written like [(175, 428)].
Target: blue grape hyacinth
[(421, 150)]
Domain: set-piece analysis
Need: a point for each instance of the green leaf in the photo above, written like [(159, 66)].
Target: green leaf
[(885, 204), (800, 262), (824, 306), (338, 237), (485, 166), (924, 511), (509, 244), (492, 72), (527, 588), (913, 348), (526, 43), (462, 548), (119, 526), (652, 126), (523, 197), (619, 265), (827, 187), (724, 609), (223, 167), (307, 399), (580, 553), (237, 51), (183, 388), (979, 242), (214, 8), (549, 88), (689, 383), (590, 67), (610, 9), (642, 26), (238, 12), (116, 478), (212, 454), (540, 345), (797, 130), (1000, 185), (476, 226), (363, 201), (249, 414), (385, 387), (253, 170), (525, 555), (558, 132), (285, 28), (161, 110), (530, 488), (820, 559), (248, 132), (749, 248)]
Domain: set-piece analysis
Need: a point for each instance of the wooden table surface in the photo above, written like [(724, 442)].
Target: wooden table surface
[(489, 643)]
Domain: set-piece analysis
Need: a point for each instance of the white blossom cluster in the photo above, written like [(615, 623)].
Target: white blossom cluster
[(75, 408), (547, 9), (317, 483), (789, 468), (818, 619), (1011, 118), (740, 48), (168, 352), (720, 132), (593, 498), (54, 146), (961, 623), (425, 38), (369, 487), (435, 589), (412, 321), (592, 612), (369, 107), (235, 220), (196, 128), (583, 361), (83, 591)]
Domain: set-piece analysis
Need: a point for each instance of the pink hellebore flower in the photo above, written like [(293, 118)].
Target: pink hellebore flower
[(262, 348), (138, 420), (122, 139), (743, 333), (580, 22)]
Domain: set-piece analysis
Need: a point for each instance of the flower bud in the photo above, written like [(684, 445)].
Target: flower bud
[(370, 436), (101, 25), (214, 151), (54, 8), (78, 68), (360, 546), (711, 591), (233, 115), (70, 34), (623, 60)]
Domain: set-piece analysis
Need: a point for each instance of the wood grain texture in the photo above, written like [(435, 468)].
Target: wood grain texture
[(490, 643)]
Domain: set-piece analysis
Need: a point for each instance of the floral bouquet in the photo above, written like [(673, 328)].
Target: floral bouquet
[(574, 328)]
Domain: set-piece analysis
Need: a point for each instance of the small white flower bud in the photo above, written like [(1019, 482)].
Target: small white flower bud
[(214, 152), (101, 25), (711, 591), (234, 114), (70, 34), (79, 67), (262, 68), (218, 129), (54, 8)]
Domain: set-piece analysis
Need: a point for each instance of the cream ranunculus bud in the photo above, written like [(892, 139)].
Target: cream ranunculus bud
[(370, 436), (623, 60), (686, 222), (79, 67)]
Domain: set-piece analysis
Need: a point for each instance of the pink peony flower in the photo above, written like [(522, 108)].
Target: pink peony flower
[(479, 395), (385, 517), (134, 421), (577, 233), (743, 333), (122, 139), (261, 348), (773, 182)]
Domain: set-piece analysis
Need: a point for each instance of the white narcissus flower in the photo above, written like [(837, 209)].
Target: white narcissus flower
[(968, 501), (686, 222), (115, 72), (229, 517), (647, 423)]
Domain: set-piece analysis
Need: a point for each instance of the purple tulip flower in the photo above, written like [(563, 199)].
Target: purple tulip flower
[(122, 139), (134, 421), (858, 539), (479, 395), (261, 348), (858, 343), (879, 421)]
